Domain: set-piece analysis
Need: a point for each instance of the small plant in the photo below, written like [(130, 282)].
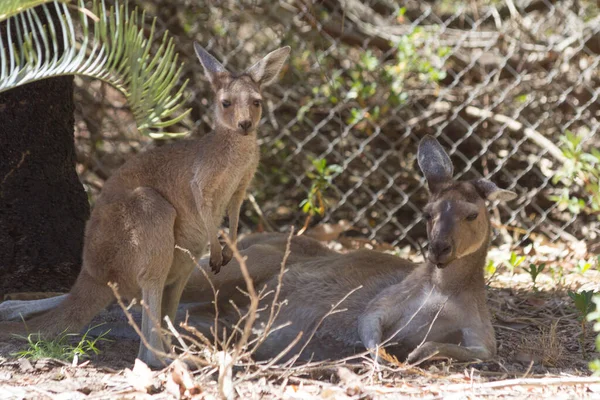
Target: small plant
[(594, 317), (583, 265), (374, 84), (514, 261), (414, 58), (322, 177), (534, 271), (558, 275), (581, 176), (490, 270), (585, 306), (61, 348)]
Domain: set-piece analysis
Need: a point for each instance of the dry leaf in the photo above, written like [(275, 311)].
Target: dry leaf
[(141, 377), (225, 362), (384, 355), (172, 388), (180, 382), (25, 365), (333, 393), (350, 381)]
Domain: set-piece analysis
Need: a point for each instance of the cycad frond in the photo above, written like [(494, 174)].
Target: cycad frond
[(10, 8), (113, 49)]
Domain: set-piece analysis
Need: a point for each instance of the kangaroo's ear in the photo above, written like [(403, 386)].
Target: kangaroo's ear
[(266, 70), (488, 190), (434, 162), (212, 67)]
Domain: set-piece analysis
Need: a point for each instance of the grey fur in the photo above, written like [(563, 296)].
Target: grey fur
[(434, 162)]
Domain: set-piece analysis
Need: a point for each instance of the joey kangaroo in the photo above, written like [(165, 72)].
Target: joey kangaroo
[(168, 196), (436, 309)]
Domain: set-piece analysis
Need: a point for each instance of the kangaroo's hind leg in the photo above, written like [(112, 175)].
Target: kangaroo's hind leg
[(153, 220), (182, 268)]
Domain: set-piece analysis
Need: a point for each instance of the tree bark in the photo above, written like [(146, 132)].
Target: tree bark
[(43, 206)]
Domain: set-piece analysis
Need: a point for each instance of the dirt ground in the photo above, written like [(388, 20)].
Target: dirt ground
[(540, 354)]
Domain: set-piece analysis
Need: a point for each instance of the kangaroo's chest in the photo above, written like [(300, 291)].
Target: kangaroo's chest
[(232, 180), (212, 189), (427, 315)]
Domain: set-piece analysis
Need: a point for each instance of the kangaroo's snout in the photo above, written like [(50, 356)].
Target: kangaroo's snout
[(440, 253), (245, 125)]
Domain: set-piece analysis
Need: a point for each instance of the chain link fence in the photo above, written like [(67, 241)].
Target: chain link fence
[(498, 82)]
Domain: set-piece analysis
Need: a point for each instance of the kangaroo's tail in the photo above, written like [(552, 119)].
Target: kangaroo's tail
[(86, 299), (17, 310)]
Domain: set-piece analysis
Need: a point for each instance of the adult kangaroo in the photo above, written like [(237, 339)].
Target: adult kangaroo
[(418, 311), (168, 196)]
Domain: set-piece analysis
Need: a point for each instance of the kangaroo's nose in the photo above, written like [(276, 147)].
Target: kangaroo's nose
[(445, 249), (440, 252), (245, 125)]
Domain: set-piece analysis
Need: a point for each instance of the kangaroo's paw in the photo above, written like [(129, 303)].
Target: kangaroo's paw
[(216, 261), (227, 255), (427, 351)]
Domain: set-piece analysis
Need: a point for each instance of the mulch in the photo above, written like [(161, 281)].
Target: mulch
[(541, 353)]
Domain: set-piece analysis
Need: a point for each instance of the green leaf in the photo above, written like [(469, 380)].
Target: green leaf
[(522, 98), (583, 301), (369, 61), (589, 158), (583, 266), (595, 365), (534, 271), (113, 47), (356, 115), (490, 268), (334, 168), (303, 110), (541, 267), (319, 165), (10, 8), (306, 206), (515, 260), (595, 313)]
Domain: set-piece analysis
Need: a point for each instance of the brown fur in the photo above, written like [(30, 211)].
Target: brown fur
[(434, 309), (172, 195)]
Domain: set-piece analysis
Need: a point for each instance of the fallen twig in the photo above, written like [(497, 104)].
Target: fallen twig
[(566, 381)]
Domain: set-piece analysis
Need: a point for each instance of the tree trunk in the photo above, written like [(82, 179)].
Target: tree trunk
[(43, 206)]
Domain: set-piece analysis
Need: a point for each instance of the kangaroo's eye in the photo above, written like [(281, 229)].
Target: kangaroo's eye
[(226, 103), (257, 103), (427, 216), (472, 217)]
